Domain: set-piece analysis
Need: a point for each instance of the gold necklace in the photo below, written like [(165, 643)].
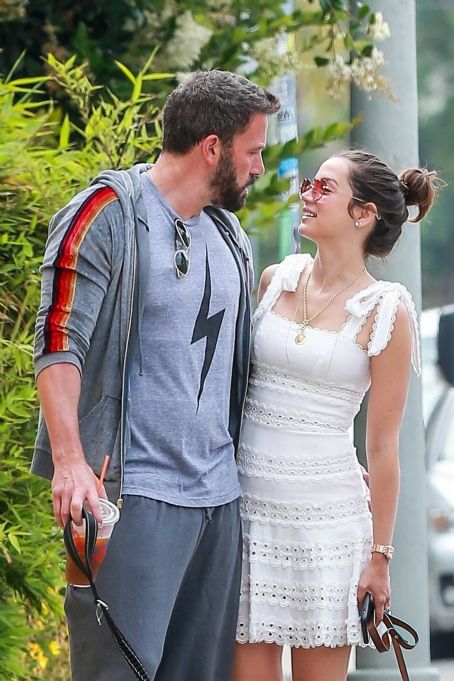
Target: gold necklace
[(301, 332)]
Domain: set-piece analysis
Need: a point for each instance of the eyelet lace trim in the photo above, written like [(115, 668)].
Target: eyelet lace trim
[(374, 347), (303, 556), (312, 634), (290, 419), (274, 378), (285, 277), (298, 595), (385, 297), (254, 463), (302, 515)]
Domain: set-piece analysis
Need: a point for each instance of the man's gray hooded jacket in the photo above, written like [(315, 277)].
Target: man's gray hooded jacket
[(94, 277)]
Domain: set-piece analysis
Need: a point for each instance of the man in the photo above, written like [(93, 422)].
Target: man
[(142, 343)]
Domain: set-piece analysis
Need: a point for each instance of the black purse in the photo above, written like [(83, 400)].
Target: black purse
[(102, 609), (392, 634)]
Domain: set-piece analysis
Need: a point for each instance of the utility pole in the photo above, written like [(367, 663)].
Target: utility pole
[(390, 130)]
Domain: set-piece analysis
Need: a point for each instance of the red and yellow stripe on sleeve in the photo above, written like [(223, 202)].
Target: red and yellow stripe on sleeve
[(55, 328)]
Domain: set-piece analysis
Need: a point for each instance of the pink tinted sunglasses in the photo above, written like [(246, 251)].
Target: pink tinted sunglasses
[(319, 188)]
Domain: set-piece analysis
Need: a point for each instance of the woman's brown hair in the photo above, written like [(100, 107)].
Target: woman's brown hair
[(373, 181)]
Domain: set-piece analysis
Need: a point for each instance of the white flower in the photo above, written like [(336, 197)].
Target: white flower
[(274, 56), (189, 38), (379, 30), (339, 74), (265, 50), (366, 71)]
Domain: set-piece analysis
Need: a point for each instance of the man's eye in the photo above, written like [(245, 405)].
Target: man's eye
[(325, 189)]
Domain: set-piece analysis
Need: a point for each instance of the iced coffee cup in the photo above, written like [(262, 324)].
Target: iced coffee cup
[(110, 515)]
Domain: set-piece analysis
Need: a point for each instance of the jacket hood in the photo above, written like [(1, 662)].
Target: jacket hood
[(125, 183)]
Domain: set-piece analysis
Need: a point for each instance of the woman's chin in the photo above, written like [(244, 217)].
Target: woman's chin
[(304, 228)]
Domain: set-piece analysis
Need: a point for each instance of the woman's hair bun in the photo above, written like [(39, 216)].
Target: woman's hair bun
[(420, 188)]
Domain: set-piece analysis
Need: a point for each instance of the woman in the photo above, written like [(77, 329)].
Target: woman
[(325, 331)]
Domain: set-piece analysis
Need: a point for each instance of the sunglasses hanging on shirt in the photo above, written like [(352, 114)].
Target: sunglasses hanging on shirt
[(182, 238)]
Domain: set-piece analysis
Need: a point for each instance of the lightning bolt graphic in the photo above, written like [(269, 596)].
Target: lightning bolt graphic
[(207, 327)]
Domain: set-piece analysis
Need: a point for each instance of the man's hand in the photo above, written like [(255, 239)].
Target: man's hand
[(73, 484)]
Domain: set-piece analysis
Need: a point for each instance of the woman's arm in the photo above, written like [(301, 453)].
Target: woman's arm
[(388, 393)]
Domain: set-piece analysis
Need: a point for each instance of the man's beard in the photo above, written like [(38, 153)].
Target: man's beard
[(225, 190)]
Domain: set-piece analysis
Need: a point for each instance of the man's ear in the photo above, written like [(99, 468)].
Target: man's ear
[(211, 147)]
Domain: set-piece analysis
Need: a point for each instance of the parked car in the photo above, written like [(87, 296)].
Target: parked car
[(438, 397)]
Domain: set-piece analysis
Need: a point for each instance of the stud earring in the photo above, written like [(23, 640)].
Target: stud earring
[(356, 224)]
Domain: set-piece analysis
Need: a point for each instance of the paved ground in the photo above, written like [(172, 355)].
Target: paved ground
[(444, 666)]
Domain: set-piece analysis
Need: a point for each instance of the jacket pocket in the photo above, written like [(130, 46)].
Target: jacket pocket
[(98, 432)]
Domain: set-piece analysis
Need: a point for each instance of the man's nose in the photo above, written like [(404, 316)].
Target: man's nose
[(259, 167)]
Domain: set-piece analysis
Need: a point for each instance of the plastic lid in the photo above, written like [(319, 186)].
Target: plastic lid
[(110, 513)]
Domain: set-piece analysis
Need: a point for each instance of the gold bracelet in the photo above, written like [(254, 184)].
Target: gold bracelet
[(387, 550)]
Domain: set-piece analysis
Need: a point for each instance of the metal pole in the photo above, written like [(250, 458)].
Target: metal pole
[(390, 129)]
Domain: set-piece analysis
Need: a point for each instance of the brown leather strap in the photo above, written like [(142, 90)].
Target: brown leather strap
[(393, 636)]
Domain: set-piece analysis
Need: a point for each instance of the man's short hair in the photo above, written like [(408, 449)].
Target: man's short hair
[(212, 103)]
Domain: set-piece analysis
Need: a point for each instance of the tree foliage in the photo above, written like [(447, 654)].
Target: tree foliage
[(29, 555), (39, 171), (188, 34)]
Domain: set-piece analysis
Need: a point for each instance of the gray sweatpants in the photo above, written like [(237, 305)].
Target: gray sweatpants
[(171, 579)]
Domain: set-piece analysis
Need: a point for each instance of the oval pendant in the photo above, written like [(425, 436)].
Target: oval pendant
[(300, 338)]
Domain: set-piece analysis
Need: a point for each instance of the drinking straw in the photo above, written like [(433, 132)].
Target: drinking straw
[(103, 472)]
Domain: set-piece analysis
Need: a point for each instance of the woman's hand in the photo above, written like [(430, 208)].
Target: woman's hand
[(375, 580)]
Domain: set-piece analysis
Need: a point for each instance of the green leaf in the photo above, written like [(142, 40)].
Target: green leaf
[(27, 81), (363, 11), (367, 50), (137, 89), (340, 5), (69, 62), (150, 59), (14, 541), (239, 34), (321, 61), (158, 76), (126, 71), (348, 42), (64, 133)]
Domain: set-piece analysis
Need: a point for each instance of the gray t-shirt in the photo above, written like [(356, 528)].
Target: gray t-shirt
[(181, 450)]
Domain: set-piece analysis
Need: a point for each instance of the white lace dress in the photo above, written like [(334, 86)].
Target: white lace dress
[(306, 522)]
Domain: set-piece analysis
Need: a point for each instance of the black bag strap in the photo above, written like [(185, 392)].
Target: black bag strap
[(102, 609)]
